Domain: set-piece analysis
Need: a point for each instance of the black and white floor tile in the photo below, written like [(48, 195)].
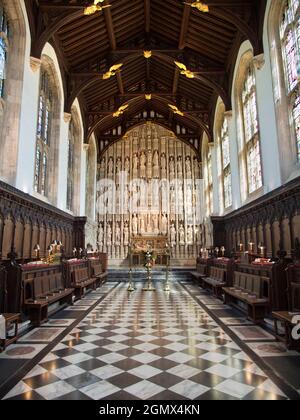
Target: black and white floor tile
[(148, 345)]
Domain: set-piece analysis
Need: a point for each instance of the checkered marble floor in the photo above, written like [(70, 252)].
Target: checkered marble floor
[(147, 345)]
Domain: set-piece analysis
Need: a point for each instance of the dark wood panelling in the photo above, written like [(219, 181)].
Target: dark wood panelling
[(273, 220), (26, 221)]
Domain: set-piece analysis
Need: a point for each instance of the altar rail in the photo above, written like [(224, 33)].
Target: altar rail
[(26, 221), (273, 220)]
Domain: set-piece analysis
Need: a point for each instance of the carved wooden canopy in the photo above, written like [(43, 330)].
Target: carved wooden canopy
[(87, 46)]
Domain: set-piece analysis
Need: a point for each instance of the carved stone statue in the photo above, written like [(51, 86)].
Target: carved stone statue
[(189, 200), (149, 165), (172, 200), (163, 166), (164, 224), (143, 162), (188, 168), (135, 162), (180, 199), (100, 234), (179, 168), (165, 208), (110, 167), (209, 229), (126, 234), (108, 234), (189, 236), (156, 165), (198, 235), (127, 165), (102, 165), (118, 166), (135, 225), (173, 234), (172, 167), (181, 235), (118, 235)]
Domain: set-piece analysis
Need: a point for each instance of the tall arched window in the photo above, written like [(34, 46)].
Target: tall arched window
[(43, 142), (290, 44), (225, 164), (4, 44), (71, 167), (251, 145)]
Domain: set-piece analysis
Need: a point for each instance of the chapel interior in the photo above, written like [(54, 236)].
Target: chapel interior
[(150, 200)]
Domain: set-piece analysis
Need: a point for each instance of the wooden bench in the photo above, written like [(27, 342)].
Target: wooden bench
[(247, 296), (98, 274), (47, 290), (200, 274), (286, 319), (215, 281), (10, 319), (81, 281)]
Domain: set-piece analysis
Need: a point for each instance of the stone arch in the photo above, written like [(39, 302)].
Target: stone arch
[(208, 195), (219, 119), (10, 108), (78, 140), (245, 59)]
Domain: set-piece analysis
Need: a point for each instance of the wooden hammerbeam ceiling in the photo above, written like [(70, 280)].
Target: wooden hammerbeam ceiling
[(87, 46)]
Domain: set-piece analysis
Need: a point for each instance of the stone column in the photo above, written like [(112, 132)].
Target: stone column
[(63, 162), (28, 126), (83, 171), (267, 124), (215, 178)]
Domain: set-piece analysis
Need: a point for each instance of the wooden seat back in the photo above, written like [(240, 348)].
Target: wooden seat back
[(293, 287), (249, 283), (80, 276), (59, 282), (44, 285), (217, 274), (97, 269)]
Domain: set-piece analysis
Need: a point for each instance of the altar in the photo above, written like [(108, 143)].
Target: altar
[(158, 244)]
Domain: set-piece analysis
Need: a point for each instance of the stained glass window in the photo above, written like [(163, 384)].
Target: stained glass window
[(70, 183), (251, 133), (225, 162), (4, 39), (43, 135), (290, 44)]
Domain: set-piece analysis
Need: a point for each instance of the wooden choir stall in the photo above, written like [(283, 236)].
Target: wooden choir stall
[(38, 289)]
